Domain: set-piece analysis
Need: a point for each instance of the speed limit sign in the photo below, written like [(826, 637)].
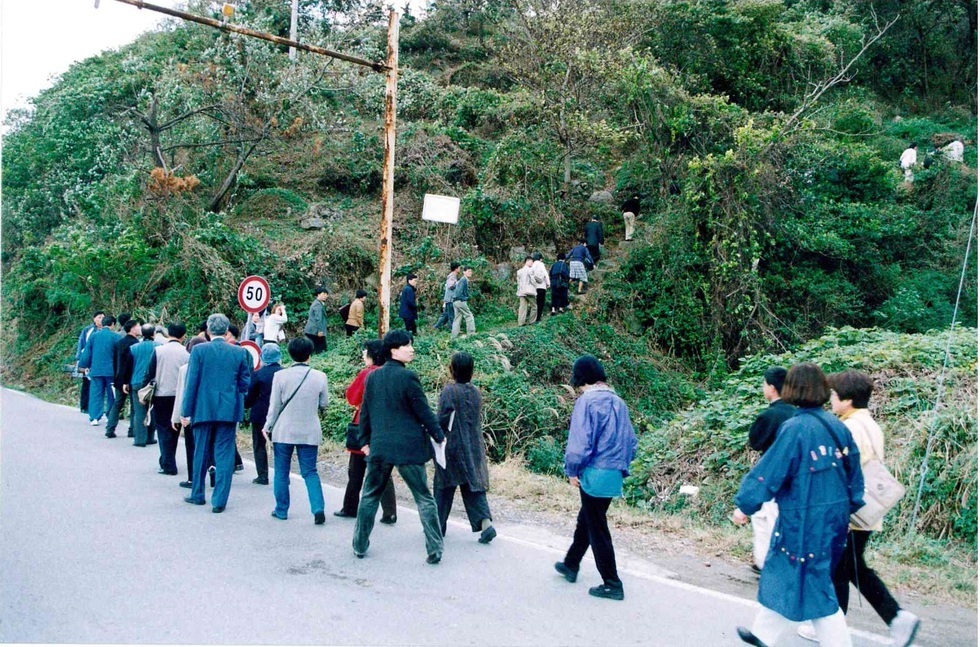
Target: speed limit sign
[(254, 353), (253, 294)]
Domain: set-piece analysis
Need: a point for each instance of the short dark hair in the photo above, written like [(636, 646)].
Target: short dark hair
[(360, 293), (300, 349), (123, 318), (234, 330), (561, 256), (410, 277), (97, 313), (128, 325), (536, 256), (203, 327), (806, 386), (108, 320), (375, 349), (465, 267), (320, 289), (461, 367), (852, 385), (581, 240), (774, 377), (528, 258), (587, 370), (453, 266), (176, 330), (149, 331), (397, 339)]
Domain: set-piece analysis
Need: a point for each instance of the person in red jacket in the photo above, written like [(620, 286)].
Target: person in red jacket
[(374, 357)]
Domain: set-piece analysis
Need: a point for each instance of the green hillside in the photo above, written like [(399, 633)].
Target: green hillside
[(762, 136)]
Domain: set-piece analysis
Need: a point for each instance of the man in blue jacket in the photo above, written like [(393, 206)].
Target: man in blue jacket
[(218, 376), (83, 338), (97, 361), (140, 355)]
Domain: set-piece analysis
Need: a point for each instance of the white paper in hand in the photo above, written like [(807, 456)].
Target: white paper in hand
[(440, 452)]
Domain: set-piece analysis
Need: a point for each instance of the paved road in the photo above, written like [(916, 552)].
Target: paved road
[(95, 547)]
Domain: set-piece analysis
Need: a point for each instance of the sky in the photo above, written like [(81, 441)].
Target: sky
[(40, 39)]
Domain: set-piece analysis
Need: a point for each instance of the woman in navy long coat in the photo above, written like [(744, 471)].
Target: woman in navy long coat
[(813, 470)]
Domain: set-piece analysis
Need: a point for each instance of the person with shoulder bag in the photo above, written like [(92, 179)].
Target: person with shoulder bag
[(374, 357), (849, 396)]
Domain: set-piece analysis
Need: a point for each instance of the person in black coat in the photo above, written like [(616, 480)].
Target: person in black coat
[(257, 402), (408, 308), (593, 238), (122, 362), (762, 434), (396, 425)]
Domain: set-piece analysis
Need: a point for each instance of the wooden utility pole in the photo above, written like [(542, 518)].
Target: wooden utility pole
[(388, 176)]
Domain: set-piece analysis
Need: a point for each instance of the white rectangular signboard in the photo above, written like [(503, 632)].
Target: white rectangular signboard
[(440, 208)]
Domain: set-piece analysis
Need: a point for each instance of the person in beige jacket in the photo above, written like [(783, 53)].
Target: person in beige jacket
[(526, 293), (355, 317), (298, 394), (849, 396)]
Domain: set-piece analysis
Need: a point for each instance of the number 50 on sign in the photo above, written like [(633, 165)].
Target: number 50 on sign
[(253, 294)]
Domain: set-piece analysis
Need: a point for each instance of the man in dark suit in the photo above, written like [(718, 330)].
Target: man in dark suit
[(122, 362), (762, 434), (257, 401), (594, 238), (396, 424), (218, 376)]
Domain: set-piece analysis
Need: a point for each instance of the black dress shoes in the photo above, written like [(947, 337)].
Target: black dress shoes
[(211, 473), (341, 513), (260, 481), (187, 484), (389, 520), (218, 509), (566, 572), (193, 501), (319, 518), (163, 471), (749, 637)]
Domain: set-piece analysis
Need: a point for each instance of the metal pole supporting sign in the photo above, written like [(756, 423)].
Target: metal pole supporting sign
[(253, 294)]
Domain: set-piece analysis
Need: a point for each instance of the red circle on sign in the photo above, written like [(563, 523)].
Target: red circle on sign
[(253, 294), (253, 350)]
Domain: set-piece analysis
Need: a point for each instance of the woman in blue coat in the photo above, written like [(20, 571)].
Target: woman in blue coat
[(813, 470)]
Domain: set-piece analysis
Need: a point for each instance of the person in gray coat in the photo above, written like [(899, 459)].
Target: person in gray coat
[(396, 424), (293, 423), (466, 453), (316, 322)]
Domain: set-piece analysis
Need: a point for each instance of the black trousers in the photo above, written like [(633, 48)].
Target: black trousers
[(559, 297), (595, 251), (83, 395), (189, 451), (852, 568), (163, 408), (475, 503), (410, 326), (592, 529), (351, 329), (319, 343), (356, 467), (259, 451), (541, 294)]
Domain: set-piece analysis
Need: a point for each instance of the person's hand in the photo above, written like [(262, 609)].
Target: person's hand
[(739, 518), (175, 427), (574, 481), (319, 334), (185, 421), (265, 433), (126, 389), (366, 449)]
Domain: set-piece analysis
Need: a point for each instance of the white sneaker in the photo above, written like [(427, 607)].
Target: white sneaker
[(807, 632), (95, 423), (903, 628)]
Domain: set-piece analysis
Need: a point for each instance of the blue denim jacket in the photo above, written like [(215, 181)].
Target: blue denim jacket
[(601, 434)]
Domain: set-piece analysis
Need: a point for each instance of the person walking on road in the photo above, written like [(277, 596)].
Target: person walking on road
[(257, 402), (140, 356), (98, 362), (466, 468), (164, 369), (218, 375), (601, 446), (762, 433), (83, 338), (526, 294), (316, 322), (461, 307), (446, 317), (849, 396), (298, 394), (374, 358), (122, 362), (631, 211), (395, 427), (813, 471)]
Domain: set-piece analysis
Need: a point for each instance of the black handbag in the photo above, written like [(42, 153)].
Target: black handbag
[(353, 433)]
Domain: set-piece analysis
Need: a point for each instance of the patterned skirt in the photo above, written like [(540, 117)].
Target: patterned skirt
[(576, 271)]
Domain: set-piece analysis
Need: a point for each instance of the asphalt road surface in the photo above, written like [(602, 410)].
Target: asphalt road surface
[(96, 547)]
